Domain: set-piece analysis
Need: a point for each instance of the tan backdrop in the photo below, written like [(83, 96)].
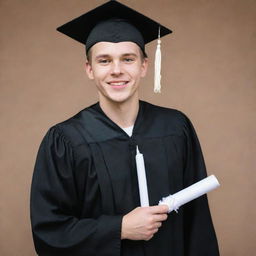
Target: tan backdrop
[(208, 72)]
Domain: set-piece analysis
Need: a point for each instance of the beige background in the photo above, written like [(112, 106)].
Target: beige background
[(208, 72)]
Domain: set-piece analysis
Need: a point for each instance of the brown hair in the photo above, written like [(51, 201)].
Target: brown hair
[(143, 55)]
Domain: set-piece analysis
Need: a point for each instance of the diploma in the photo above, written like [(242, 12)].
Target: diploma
[(142, 179), (190, 193)]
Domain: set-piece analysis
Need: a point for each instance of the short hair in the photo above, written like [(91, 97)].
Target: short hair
[(143, 54)]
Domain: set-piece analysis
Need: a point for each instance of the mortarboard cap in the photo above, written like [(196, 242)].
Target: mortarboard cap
[(113, 22), (81, 27)]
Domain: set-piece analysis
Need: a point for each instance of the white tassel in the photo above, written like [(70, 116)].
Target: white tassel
[(157, 83)]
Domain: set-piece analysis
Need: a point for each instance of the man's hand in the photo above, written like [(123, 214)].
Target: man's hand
[(143, 222)]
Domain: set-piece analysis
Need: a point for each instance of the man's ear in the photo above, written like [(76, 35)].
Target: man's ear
[(88, 69), (144, 67)]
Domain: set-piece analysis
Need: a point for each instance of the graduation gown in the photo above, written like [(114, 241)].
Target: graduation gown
[(85, 181)]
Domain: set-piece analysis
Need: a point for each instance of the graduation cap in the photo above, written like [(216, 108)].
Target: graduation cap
[(115, 22)]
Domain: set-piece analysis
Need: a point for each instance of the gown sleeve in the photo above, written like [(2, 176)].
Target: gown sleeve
[(200, 237), (56, 225)]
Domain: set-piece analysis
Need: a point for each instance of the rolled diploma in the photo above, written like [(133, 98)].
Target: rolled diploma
[(190, 193), (142, 180)]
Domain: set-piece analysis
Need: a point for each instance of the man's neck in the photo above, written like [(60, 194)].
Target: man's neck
[(123, 114)]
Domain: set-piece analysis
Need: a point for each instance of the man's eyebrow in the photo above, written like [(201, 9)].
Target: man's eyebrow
[(130, 54), (109, 56), (102, 56)]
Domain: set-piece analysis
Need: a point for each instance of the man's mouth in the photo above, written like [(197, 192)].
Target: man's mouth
[(118, 84)]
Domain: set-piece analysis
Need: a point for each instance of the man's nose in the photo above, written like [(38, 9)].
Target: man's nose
[(116, 68)]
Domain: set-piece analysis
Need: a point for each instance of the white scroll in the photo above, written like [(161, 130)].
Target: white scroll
[(142, 179), (190, 193)]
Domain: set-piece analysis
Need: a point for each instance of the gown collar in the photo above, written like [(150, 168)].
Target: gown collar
[(110, 128)]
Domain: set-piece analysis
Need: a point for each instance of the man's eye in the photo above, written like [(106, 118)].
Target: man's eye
[(104, 61), (128, 59)]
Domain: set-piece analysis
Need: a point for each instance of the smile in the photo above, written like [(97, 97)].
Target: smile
[(118, 84)]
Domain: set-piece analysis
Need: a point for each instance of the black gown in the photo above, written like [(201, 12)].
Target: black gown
[(85, 181)]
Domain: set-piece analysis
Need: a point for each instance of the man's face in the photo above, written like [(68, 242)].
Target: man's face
[(116, 69)]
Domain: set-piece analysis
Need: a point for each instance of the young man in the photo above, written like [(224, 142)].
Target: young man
[(84, 196)]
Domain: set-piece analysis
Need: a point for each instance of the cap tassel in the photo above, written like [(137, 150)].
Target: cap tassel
[(157, 83)]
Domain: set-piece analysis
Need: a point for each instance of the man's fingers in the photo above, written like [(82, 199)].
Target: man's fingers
[(160, 217), (159, 209), (158, 224), (155, 226)]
